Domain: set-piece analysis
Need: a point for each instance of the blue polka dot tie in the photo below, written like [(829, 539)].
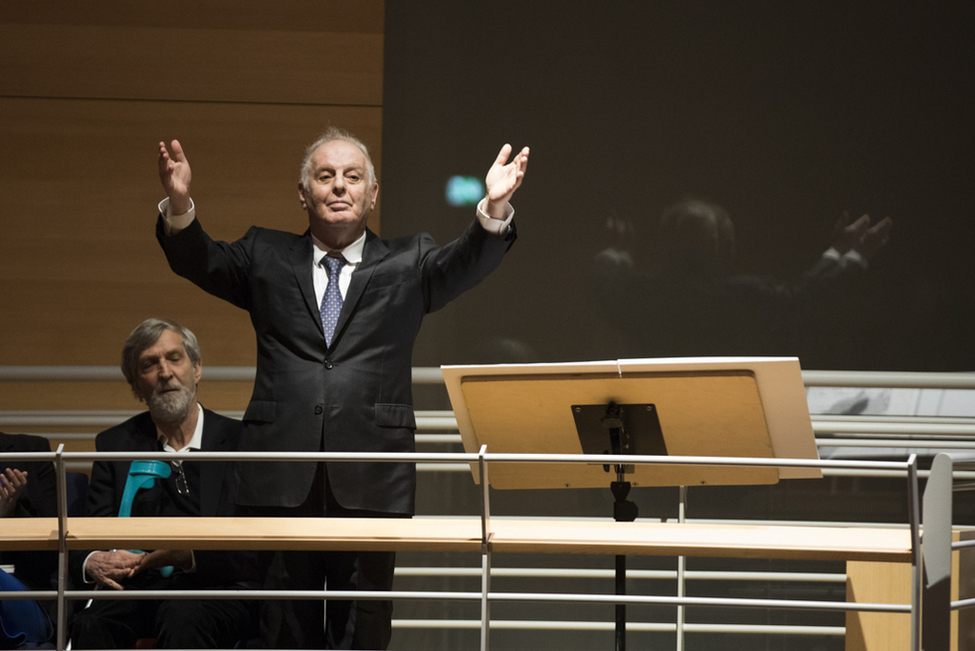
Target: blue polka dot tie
[(332, 300)]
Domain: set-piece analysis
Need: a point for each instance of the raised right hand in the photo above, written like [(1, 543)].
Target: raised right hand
[(175, 176), (847, 234)]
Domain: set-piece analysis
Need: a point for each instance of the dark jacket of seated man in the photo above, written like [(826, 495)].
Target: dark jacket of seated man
[(38, 499), (192, 489)]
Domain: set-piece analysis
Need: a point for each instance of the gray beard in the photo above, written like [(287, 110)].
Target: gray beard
[(171, 406)]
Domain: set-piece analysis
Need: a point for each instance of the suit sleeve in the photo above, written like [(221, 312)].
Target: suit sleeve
[(219, 268), (457, 267)]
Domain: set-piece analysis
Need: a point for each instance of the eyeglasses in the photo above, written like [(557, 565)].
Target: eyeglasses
[(181, 484)]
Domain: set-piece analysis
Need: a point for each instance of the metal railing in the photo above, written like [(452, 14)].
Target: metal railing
[(486, 597), (439, 427)]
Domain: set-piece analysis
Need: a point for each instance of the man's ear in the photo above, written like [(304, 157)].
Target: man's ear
[(375, 195), (301, 196), (198, 372)]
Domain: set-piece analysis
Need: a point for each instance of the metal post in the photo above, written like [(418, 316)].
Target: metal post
[(620, 608), (62, 548), (681, 567), (936, 556), (914, 519), (485, 550), (623, 511)]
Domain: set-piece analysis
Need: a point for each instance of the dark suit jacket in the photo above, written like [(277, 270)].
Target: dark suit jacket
[(39, 499), (217, 489), (40, 496), (355, 395)]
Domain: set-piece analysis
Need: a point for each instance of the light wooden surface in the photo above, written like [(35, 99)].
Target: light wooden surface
[(688, 539), (89, 89), (285, 15), (464, 534), (889, 583), (717, 414), (180, 64), (878, 583), (88, 395), (29, 533), (102, 207)]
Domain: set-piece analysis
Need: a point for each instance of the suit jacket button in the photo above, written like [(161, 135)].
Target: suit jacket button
[(318, 410), (328, 364)]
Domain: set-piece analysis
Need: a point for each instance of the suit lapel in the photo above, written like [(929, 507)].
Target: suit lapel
[(301, 257), (373, 251)]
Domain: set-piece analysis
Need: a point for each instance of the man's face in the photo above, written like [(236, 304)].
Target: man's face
[(167, 378), (338, 197)]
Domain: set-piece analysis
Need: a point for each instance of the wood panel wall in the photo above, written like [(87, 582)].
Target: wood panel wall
[(88, 90)]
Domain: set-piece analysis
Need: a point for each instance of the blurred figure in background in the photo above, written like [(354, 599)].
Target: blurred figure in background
[(695, 306)]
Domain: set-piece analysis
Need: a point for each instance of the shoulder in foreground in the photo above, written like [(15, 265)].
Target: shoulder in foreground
[(25, 442)]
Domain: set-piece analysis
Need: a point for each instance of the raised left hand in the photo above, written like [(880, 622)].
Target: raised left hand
[(874, 238), (503, 179)]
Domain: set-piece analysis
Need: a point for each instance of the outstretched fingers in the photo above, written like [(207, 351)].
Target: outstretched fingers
[(502, 157)]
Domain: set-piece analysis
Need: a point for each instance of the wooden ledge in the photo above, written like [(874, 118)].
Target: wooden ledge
[(464, 534), (29, 533), (363, 534), (689, 539)]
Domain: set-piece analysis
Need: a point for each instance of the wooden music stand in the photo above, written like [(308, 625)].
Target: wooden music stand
[(716, 407), (710, 407)]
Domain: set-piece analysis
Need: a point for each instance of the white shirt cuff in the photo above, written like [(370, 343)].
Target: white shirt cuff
[(84, 570), (176, 223), (491, 225), (854, 257), (845, 259)]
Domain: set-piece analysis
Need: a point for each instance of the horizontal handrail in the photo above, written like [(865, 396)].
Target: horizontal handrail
[(432, 375), (441, 595), (421, 375), (445, 421), (595, 573), (631, 626), (460, 457), (889, 379)]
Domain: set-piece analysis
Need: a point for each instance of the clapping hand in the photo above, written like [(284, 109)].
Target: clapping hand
[(12, 485)]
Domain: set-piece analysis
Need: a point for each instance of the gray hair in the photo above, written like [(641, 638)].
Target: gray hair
[(145, 335), (334, 133)]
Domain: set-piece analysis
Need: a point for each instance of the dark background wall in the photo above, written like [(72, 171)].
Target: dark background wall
[(786, 114)]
